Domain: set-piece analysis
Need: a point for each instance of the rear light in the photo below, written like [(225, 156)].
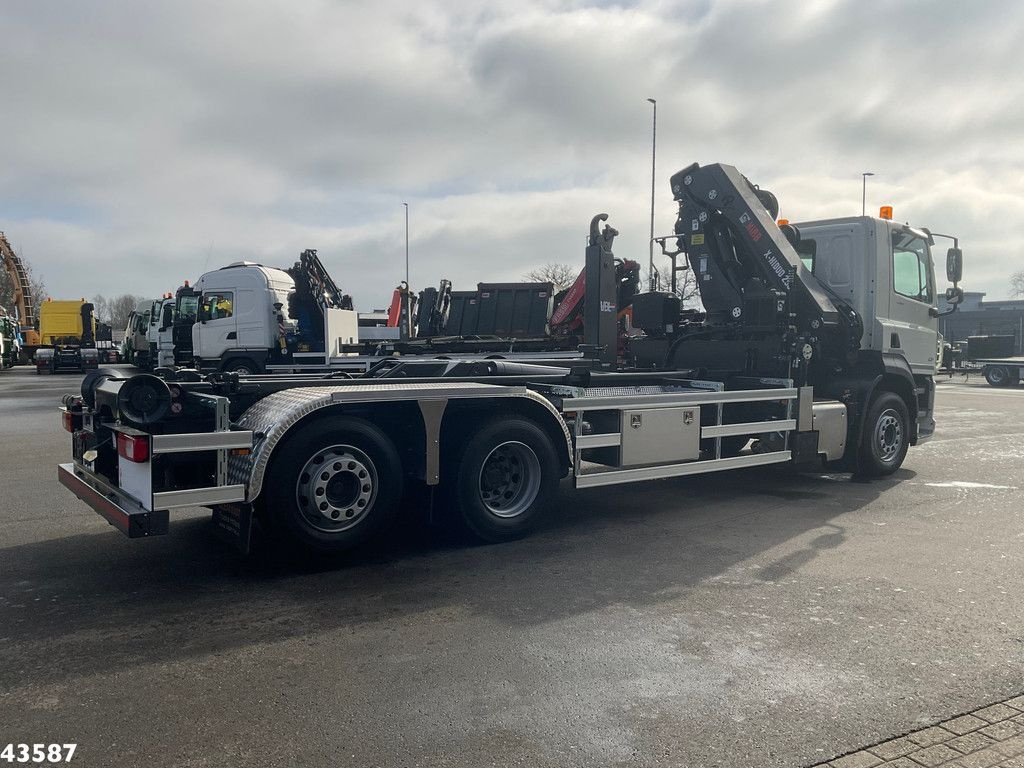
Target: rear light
[(68, 420), (133, 447)]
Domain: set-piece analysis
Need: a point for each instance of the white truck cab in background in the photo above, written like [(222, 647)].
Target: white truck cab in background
[(244, 318)]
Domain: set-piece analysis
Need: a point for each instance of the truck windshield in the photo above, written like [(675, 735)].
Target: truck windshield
[(188, 306), (911, 267)]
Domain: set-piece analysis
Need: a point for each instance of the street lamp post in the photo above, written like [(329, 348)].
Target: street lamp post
[(406, 243), (864, 192), (654, 150)]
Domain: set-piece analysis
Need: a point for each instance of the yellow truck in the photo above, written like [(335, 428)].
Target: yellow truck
[(67, 336)]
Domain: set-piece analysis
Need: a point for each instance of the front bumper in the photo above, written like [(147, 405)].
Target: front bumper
[(117, 508)]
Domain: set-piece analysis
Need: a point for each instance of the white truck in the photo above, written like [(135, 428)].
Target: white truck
[(160, 332), (245, 323), (787, 364), (135, 347)]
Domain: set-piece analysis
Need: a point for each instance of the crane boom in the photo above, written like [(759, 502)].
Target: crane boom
[(731, 238), (24, 301)]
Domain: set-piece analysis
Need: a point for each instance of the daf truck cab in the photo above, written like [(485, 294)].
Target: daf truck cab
[(884, 270)]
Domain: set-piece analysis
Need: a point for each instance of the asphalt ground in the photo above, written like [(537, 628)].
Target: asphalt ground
[(754, 618)]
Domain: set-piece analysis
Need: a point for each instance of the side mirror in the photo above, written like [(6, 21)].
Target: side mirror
[(954, 265), (954, 295), (204, 313)]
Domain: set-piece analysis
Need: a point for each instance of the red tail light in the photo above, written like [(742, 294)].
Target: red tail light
[(133, 447), (71, 421)]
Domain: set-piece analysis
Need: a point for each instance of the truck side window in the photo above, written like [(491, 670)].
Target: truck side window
[(910, 274), (807, 250), (218, 305)]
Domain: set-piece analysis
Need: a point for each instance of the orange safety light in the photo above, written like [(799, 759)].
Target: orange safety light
[(885, 212), (783, 222)]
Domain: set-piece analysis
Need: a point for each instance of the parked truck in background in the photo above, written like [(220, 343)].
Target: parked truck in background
[(67, 335), (815, 345), (995, 354), (179, 335), (160, 333), (135, 348), (251, 316)]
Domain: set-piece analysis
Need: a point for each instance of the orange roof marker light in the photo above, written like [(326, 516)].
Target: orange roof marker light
[(782, 222), (885, 212)]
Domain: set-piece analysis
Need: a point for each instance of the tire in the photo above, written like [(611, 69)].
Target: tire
[(505, 479), (997, 376), (360, 494), (243, 366), (885, 437)]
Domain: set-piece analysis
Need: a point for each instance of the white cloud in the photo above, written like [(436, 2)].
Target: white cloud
[(144, 142)]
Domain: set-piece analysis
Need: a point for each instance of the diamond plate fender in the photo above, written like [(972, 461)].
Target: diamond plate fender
[(272, 417)]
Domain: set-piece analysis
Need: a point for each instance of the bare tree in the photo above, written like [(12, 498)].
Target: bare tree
[(119, 307), (1017, 284), (101, 308), (686, 284), (561, 275)]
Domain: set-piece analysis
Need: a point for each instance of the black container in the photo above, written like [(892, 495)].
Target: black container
[(988, 347), (655, 312), (464, 314), (514, 309)]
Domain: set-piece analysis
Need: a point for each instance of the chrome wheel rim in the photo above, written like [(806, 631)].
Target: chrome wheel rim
[(889, 435), (336, 488), (509, 479)]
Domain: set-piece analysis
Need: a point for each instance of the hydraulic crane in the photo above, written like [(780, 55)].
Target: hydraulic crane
[(765, 313)]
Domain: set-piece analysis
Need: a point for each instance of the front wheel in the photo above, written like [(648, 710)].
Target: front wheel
[(333, 485), (506, 478), (243, 366), (886, 436)]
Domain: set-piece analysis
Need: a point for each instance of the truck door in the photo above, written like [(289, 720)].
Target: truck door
[(911, 327), (252, 312), (217, 330)]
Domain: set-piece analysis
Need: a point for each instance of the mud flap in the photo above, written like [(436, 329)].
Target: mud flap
[(804, 446), (233, 523)]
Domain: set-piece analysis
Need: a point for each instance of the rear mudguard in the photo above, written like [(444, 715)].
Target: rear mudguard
[(280, 415)]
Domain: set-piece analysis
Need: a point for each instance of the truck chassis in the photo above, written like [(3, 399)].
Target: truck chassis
[(601, 429)]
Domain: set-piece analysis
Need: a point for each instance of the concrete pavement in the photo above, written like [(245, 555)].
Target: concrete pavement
[(758, 618)]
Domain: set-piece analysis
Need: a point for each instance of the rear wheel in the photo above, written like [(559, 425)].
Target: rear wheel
[(886, 436), (997, 375), (333, 486), (505, 479)]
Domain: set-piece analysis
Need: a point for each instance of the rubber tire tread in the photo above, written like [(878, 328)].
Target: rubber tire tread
[(473, 514), (279, 509), (871, 464)]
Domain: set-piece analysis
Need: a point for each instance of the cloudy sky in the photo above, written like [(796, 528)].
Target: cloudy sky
[(142, 143)]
